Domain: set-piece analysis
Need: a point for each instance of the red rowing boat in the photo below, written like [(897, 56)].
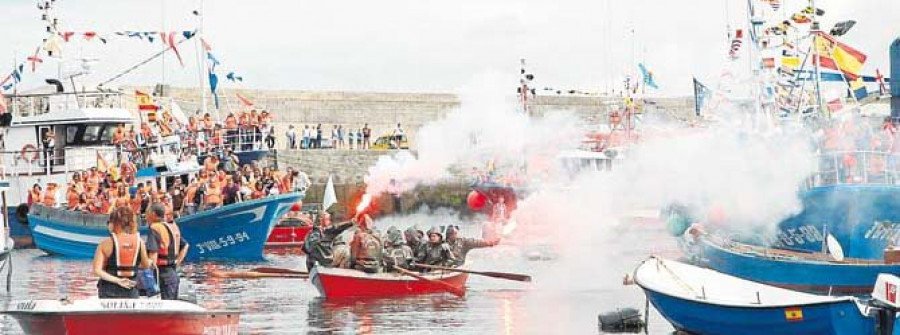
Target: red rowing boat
[(287, 236), (121, 316), (335, 283)]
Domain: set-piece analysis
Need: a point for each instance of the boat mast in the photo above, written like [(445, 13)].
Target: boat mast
[(814, 31), (201, 64)]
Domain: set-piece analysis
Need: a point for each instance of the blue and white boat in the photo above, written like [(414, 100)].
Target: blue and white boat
[(797, 270), (702, 301), (236, 232)]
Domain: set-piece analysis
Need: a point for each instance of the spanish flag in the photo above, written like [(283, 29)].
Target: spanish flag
[(793, 314), (839, 56), (144, 101)]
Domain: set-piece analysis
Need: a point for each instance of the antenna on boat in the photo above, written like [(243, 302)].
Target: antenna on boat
[(201, 63)]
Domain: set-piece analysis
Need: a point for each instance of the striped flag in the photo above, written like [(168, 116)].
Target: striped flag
[(144, 101), (776, 4), (839, 56)]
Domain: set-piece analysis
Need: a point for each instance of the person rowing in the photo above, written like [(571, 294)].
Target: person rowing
[(117, 257)]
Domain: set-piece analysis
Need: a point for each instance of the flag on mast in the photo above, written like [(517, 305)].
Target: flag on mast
[(330, 198)]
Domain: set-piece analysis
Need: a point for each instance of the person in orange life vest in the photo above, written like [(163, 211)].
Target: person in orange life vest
[(49, 199), (366, 248), (167, 249), (72, 196), (117, 257)]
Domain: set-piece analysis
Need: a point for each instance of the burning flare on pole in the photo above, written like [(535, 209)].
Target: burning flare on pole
[(363, 203)]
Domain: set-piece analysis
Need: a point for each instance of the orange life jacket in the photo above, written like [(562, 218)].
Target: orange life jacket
[(50, 197), (169, 243), (126, 248)]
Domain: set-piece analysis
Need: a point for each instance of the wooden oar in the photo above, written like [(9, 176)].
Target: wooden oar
[(278, 270), (255, 275), (501, 275), (447, 287)]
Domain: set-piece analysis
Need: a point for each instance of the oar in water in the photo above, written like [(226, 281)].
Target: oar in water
[(447, 287), (255, 275), (501, 275), (278, 270)]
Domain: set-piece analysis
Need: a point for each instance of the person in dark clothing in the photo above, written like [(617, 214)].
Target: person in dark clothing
[(117, 257), (166, 249), (319, 136), (415, 238), (231, 192), (436, 251), (318, 243)]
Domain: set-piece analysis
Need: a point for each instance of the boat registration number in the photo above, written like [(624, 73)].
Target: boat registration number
[(797, 236), (223, 242), (220, 330)]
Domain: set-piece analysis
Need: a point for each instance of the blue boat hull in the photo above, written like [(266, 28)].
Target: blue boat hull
[(702, 318), (797, 274), (863, 218), (236, 232)]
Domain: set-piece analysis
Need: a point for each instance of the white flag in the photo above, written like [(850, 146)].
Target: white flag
[(330, 198)]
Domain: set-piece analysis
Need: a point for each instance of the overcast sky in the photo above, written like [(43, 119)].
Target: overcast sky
[(425, 45)]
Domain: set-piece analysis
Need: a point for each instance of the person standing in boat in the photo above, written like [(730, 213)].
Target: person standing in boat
[(117, 258), (436, 251), (460, 246), (341, 246), (166, 249), (366, 249), (318, 243)]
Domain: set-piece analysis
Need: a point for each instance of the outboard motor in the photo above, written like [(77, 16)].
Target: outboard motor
[(626, 320), (885, 303)]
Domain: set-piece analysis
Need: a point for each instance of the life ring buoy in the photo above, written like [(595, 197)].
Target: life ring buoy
[(26, 149), (22, 214)]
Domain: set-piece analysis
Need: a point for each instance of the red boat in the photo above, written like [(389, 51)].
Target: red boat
[(283, 236), (335, 283), (121, 316)]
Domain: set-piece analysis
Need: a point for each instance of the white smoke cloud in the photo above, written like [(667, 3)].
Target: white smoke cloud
[(487, 126)]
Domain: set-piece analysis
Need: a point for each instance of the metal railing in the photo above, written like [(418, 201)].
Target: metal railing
[(61, 215), (856, 167), (37, 104)]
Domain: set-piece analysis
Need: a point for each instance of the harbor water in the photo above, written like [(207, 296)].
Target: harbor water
[(293, 306)]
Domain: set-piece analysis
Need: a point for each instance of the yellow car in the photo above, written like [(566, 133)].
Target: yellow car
[(387, 142)]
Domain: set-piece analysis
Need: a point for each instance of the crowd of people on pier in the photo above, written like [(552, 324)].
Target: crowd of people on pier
[(357, 244), (316, 136)]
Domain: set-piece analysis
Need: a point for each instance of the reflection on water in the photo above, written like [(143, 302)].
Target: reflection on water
[(290, 306)]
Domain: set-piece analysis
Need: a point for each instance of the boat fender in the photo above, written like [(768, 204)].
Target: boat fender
[(22, 214), (29, 148), (626, 320)]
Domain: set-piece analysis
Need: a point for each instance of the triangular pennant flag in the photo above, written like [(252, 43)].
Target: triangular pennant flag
[(89, 35), (7, 87), (244, 100), (172, 45), (187, 34), (329, 198), (205, 45), (648, 77), (67, 35), (212, 59), (232, 77)]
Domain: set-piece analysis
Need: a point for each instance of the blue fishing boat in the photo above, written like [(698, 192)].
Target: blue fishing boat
[(797, 270), (233, 232), (703, 301)]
